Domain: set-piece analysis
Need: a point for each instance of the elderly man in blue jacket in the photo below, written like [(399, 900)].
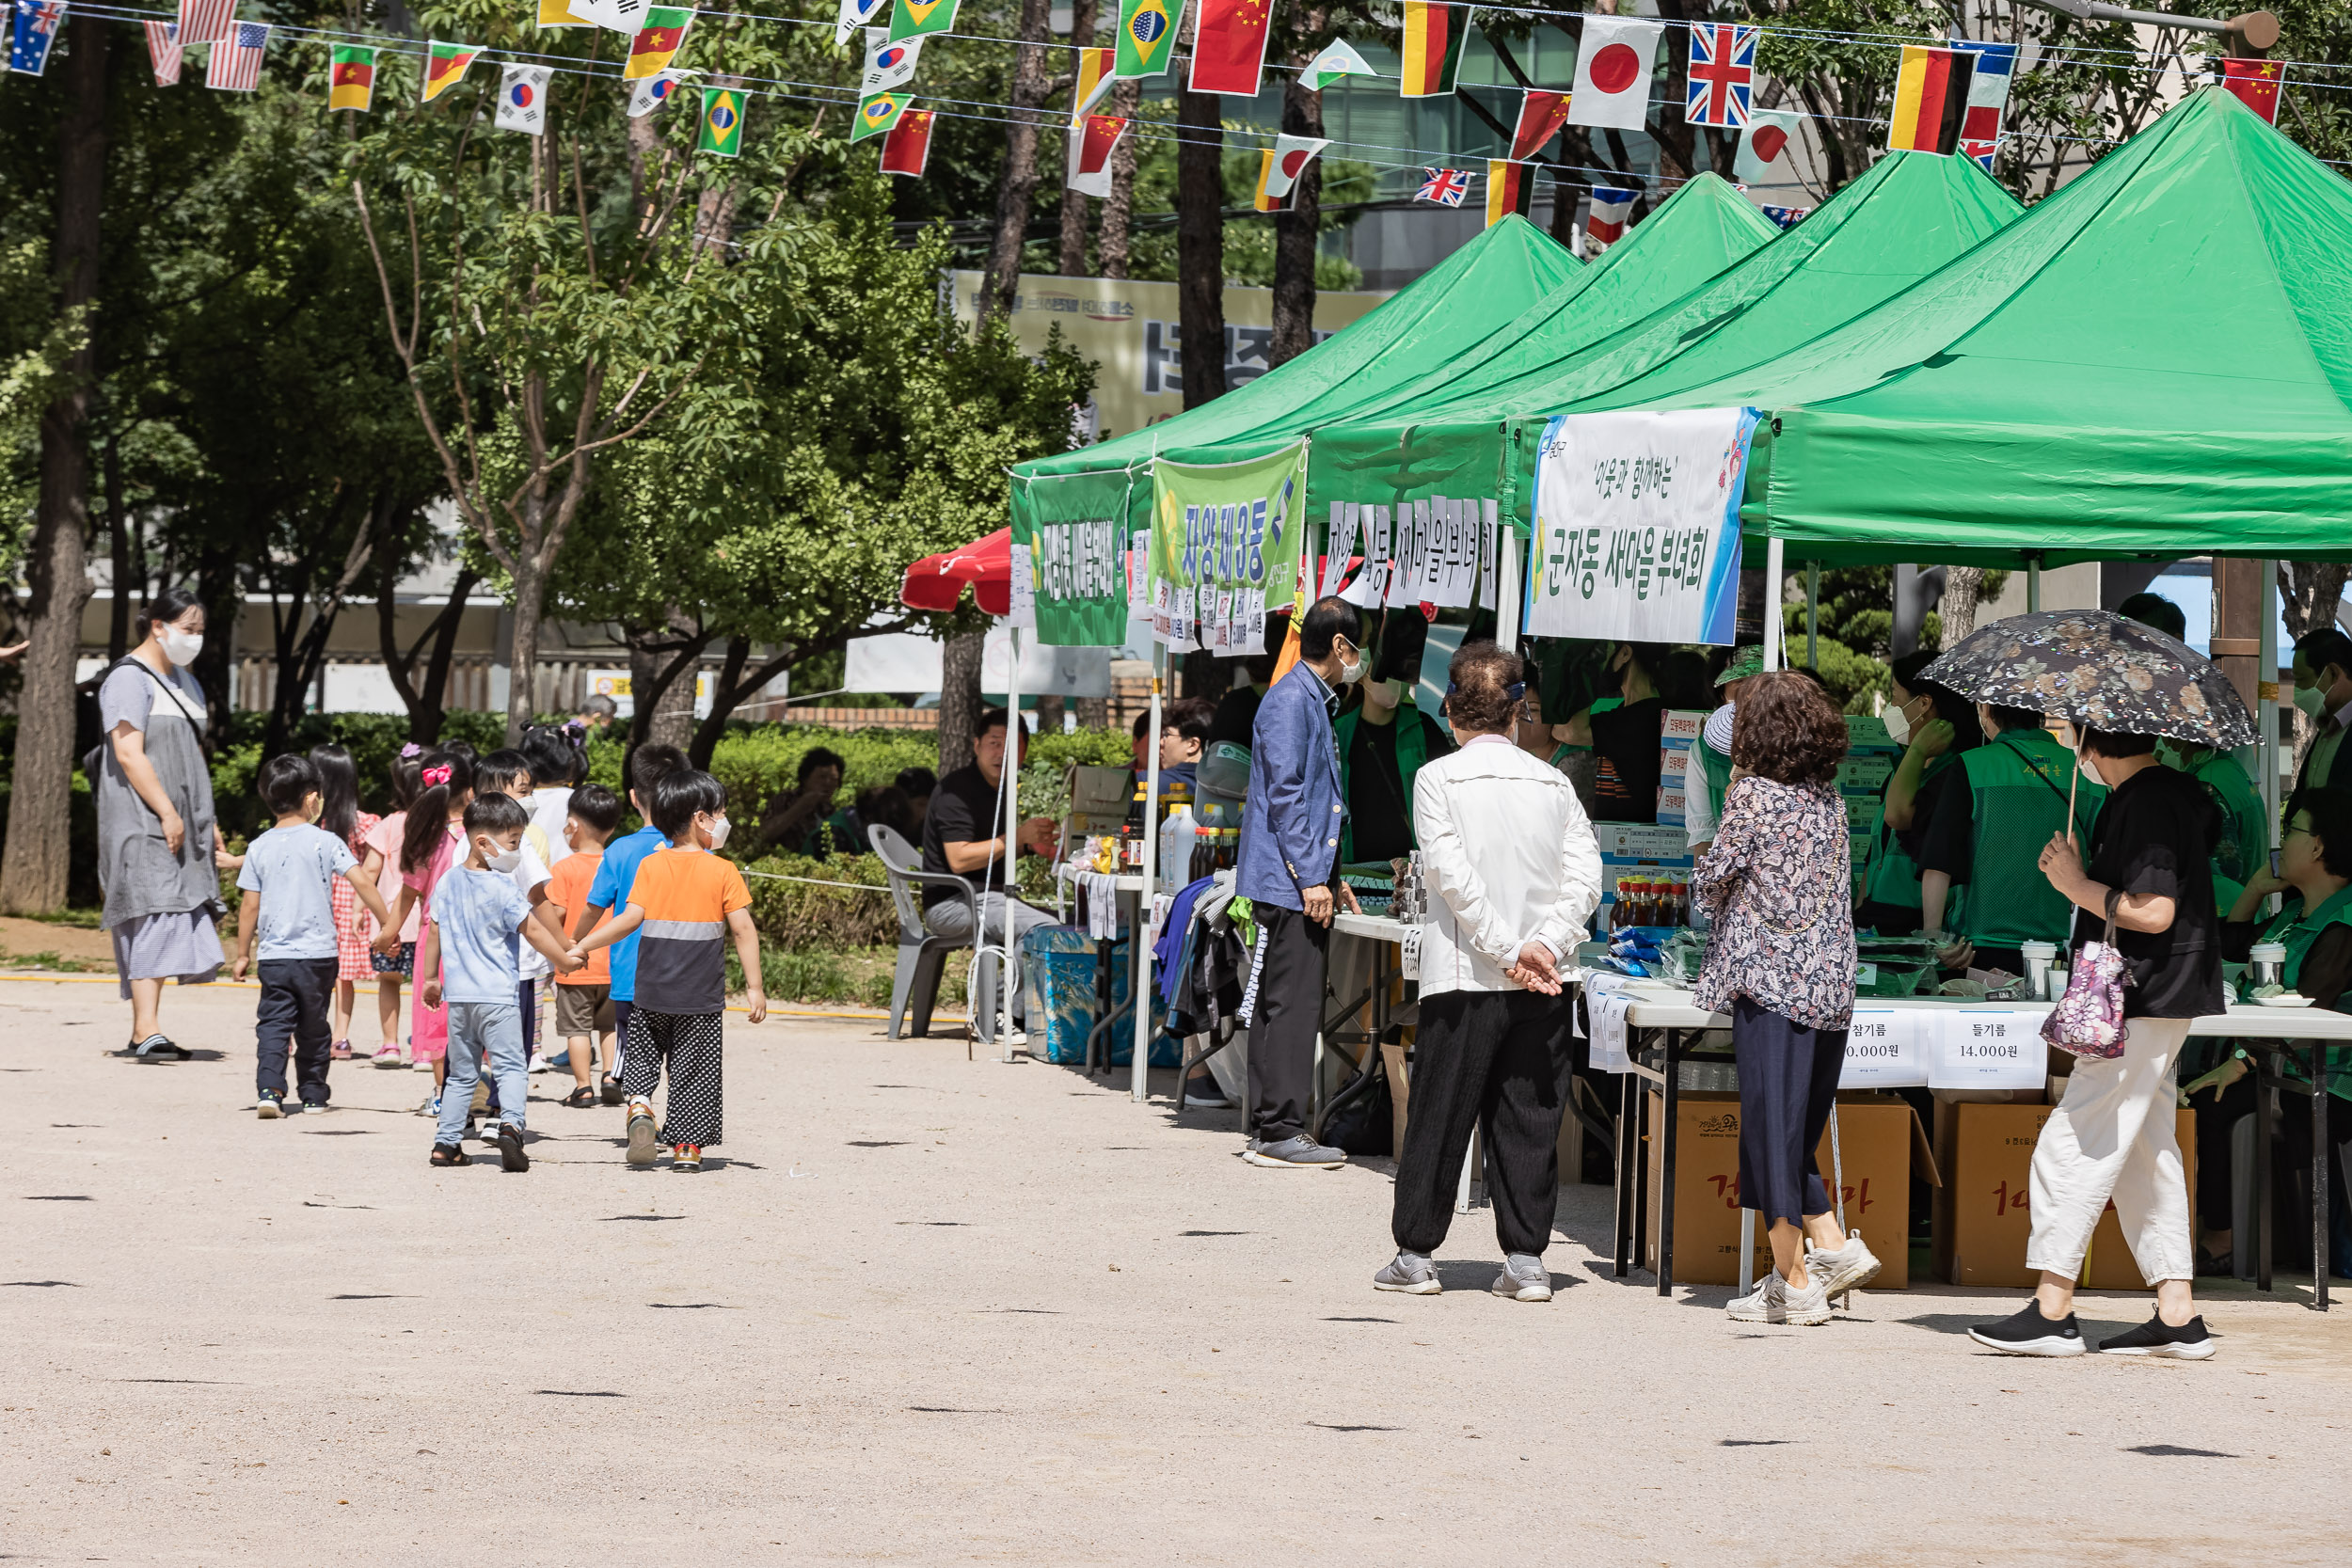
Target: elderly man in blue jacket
[(1289, 870)]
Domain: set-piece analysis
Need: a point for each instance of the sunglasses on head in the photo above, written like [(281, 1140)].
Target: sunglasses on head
[(1516, 691)]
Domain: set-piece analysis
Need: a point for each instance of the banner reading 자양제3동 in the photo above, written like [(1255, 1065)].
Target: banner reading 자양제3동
[(1637, 525), (1225, 542)]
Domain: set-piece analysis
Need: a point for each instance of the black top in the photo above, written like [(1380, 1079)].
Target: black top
[(1626, 740), (1379, 814), (963, 810), (1913, 839), (1237, 714), (2154, 836)]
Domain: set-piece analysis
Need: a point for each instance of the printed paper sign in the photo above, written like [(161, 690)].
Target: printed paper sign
[(1231, 526), (1637, 526), (1339, 544), (1979, 1047), (1882, 1050)]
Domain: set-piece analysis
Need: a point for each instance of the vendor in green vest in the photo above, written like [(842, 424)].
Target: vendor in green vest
[(1936, 726), (1382, 743), (2245, 841), (2315, 929), (1990, 827)]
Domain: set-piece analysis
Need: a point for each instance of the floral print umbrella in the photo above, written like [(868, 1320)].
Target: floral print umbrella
[(2095, 667)]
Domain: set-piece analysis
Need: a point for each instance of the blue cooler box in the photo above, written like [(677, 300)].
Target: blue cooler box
[(1058, 968)]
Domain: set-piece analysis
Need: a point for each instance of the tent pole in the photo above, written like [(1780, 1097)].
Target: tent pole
[(1507, 608), (1009, 778), (1774, 569), (1813, 614), (1138, 934), (2033, 582), (2266, 737)]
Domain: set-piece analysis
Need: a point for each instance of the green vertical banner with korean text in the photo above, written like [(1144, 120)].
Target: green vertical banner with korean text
[(1073, 531), (1225, 547)]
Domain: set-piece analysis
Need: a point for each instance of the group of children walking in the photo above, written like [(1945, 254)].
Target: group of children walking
[(495, 875)]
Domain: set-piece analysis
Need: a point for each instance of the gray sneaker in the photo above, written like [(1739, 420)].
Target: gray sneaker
[(1298, 1151), (1848, 1268), (1523, 1278), (1410, 1274), (1774, 1301)]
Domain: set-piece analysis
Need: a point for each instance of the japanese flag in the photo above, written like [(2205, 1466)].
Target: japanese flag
[(1768, 135), (1292, 154), (1614, 66)]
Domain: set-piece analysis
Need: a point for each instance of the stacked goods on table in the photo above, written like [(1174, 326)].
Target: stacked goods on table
[(1655, 858), (1678, 765), (1871, 757)]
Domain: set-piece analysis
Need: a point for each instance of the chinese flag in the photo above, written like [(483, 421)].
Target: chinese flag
[(1228, 47), (2256, 84), (907, 148)]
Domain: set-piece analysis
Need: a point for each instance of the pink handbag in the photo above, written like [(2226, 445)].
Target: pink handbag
[(2089, 1019)]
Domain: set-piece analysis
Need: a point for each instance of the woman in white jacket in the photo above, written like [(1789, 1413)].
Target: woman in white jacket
[(1513, 861)]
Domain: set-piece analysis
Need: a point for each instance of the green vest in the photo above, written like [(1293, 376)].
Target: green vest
[(2297, 932), (1894, 876), (2245, 841), (2017, 786), (1412, 749), (1714, 776)]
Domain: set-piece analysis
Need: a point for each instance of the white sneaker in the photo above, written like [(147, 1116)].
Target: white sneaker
[(539, 1063), (1848, 1267), (1774, 1301)]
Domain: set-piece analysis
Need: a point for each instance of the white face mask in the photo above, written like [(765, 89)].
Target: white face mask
[(497, 859), (2311, 699), (1897, 726), (1351, 673), (181, 647), (2090, 768), (718, 829)]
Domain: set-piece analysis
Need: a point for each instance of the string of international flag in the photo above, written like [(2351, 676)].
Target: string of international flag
[(1948, 98)]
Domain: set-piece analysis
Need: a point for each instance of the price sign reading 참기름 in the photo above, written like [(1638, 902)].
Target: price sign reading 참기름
[(1979, 1047), (1882, 1050)]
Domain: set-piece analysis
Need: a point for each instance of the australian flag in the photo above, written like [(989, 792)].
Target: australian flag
[(36, 24), (1444, 187), (1723, 74), (1785, 217)]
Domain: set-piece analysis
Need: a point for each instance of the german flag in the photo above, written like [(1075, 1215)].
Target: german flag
[(656, 42), (1508, 190), (1434, 32), (1930, 100), (351, 77)]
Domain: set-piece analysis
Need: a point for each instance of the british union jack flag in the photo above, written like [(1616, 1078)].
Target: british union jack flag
[(1444, 187), (1723, 74)]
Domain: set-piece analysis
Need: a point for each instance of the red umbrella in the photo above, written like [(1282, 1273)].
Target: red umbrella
[(937, 581)]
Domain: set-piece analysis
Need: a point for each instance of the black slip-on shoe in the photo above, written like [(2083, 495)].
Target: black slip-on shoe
[(2028, 1333), (2157, 1337), (511, 1153)]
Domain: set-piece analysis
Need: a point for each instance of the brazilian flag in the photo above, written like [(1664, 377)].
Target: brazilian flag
[(879, 114), (1147, 37), (914, 19), (723, 122)]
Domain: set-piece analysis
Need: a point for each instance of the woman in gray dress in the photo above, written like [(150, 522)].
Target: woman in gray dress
[(157, 847)]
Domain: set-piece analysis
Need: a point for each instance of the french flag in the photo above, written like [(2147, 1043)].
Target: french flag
[(1988, 95), (1604, 224)]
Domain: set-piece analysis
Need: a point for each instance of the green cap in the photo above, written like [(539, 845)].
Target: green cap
[(1746, 662)]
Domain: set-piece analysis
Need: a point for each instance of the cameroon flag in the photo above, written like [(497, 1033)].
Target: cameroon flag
[(351, 77), (1434, 34), (445, 67), (723, 122), (1147, 37), (656, 42), (914, 19), (879, 114)]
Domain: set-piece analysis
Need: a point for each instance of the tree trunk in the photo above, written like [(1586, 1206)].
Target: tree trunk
[(426, 700), (958, 697), (33, 867), (663, 709), (2309, 591), (1074, 206), (1570, 179), (1017, 188), (1201, 245), (522, 664), (124, 594), (1961, 584), (1118, 209), (1050, 708), (1295, 230)]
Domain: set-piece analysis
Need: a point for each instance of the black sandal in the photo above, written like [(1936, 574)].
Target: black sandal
[(449, 1154), (582, 1097), (158, 1047), (612, 1091)]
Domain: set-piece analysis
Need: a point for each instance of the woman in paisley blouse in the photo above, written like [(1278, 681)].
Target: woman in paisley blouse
[(1778, 886)]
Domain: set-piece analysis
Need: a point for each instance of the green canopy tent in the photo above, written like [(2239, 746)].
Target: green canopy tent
[(2156, 361), (1908, 216)]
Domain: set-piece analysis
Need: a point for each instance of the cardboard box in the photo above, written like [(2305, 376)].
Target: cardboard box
[(1672, 806), (1687, 724), (1674, 761), (1982, 1221), (1882, 1144)]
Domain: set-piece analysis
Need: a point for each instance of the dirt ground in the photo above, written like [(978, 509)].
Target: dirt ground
[(928, 1310)]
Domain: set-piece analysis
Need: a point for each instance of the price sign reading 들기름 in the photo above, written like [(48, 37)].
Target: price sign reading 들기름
[(1979, 1047), (1882, 1050)]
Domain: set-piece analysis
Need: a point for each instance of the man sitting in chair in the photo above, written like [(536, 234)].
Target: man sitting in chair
[(958, 837)]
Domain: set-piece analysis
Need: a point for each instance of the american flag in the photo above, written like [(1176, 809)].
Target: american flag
[(1722, 73), (162, 51), (206, 20), (236, 62), (1444, 187), (1785, 217)]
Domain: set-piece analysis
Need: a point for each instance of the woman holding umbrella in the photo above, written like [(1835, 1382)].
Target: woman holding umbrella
[(2111, 1136)]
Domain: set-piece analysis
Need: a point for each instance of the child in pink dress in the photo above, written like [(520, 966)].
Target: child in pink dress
[(339, 815), (429, 846), (381, 859)]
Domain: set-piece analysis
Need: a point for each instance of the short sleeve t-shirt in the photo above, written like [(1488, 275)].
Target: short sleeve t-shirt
[(478, 914), (293, 869), (530, 876), (963, 811), (681, 948), (609, 891), (2154, 836), (131, 695), (567, 890)]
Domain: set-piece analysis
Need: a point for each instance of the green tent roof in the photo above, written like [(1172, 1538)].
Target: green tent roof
[(1908, 216), (2156, 361), (1480, 288)]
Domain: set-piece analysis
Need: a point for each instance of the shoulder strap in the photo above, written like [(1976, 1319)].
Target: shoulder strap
[(2041, 773)]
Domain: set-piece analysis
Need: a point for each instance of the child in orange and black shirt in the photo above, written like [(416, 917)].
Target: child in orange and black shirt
[(684, 904)]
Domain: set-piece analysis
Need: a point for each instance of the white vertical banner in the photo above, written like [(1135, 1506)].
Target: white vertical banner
[(1637, 525), (1340, 544), (1139, 571), (1412, 522), (1024, 590)]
